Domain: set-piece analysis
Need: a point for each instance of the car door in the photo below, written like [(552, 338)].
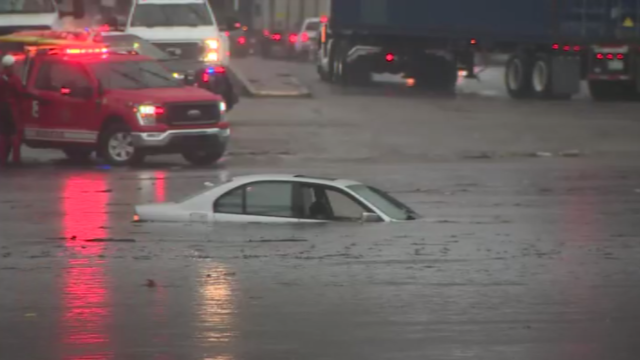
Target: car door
[(62, 107), (329, 203), (262, 201), (40, 113), (77, 105)]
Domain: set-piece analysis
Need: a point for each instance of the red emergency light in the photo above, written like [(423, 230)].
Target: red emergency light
[(390, 57), (87, 51)]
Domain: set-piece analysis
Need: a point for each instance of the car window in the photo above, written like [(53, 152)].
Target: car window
[(322, 203), (54, 75), (231, 202), (343, 207), (386, 203), (269, 199)]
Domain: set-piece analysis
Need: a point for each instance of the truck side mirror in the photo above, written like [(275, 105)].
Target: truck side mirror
[(78, 9)]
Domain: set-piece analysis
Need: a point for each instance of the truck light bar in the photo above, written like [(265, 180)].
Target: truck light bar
[(87, 51)]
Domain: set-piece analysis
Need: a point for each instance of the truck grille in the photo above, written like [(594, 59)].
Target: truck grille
[(187, 50), (192, 113)]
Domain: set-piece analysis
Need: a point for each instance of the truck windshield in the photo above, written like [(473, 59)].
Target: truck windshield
[(26, 6), (142, 46), (189, 14), (133, 75)]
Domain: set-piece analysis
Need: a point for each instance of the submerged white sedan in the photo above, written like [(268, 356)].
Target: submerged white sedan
[(281, 199)]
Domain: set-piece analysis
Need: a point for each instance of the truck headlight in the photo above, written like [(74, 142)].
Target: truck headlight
[(223, 107), (148, 114)]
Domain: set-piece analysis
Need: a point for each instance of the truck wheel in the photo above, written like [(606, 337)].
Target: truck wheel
[(603, 90), (437, 74), (116, 146), (518, 76), (204, 154), (77, 154), (542, 79)]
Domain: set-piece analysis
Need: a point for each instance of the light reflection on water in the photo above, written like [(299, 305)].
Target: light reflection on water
[(85, 296), (217, 307)]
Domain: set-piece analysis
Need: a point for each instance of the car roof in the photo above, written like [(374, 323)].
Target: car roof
[(297, 178)]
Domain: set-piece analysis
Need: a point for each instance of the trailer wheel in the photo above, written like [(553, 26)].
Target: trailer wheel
[(542, 79), (517, 77), (603, 90)]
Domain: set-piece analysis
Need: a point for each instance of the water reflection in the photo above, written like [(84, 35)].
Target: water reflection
[(85, 298), (216, 308)]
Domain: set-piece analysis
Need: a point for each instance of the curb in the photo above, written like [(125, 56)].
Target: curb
[(251, 91)]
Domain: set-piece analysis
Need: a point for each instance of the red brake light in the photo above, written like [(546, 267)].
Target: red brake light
[(600, 56), (276, 37), (576, 48), (238, 25), (390, 57), (304, 37), (473, 41), (65, 91), (555, 46), (242, 40), (226, 33), (293, 38), (205, 77), (566, 48), (620, 56), (265, 32), (609, 56), (324, 19)]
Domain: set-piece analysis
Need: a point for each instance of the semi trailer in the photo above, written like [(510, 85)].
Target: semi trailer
[(552, 45)]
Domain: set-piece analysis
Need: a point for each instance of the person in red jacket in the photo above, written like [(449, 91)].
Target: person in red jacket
[(11, 89)]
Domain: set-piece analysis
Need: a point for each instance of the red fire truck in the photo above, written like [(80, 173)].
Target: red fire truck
[(118, 104)]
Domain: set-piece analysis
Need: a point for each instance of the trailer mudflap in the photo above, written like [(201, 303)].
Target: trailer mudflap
[(566, 75)]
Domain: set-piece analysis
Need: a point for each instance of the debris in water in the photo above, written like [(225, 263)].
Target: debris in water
[(150, 283)]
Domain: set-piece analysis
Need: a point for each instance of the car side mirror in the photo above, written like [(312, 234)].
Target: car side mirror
[(370, 217)]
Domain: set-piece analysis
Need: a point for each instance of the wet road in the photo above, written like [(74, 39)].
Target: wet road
[(518, 257)]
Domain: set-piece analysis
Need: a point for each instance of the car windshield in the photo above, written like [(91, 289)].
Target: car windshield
[(142, 46), (133, 75), (189, 14), (26, 6), (386, 203)]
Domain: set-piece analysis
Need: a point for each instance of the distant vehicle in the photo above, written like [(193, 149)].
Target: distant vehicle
[(280, 198), (281, 21), (36, 14), (553, 44), (121, 105), (306, 39), (213, 78), (186, 29), (240, 42)]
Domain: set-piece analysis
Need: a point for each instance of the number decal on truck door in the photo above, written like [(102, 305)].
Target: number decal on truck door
[(35, 109)]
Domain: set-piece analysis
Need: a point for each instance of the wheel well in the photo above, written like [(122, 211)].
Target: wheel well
[(110, 121)]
